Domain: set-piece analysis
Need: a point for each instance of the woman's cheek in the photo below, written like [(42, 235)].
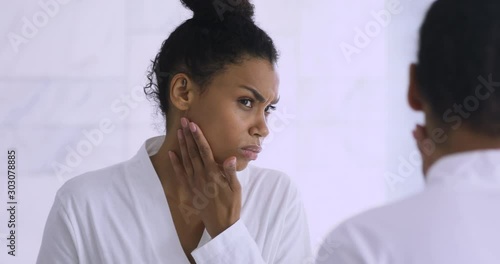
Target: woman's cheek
[(220, 154)]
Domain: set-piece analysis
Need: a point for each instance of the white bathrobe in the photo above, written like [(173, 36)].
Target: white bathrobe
[(455, 220), (120, 215)]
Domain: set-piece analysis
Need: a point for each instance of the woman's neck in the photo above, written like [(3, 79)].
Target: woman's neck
[(165, 171), (463, 140)]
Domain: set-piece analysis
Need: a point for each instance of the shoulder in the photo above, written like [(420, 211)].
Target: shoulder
[(356, 240), (377, 233), (271, 185), (395, 216), (269, 179), (95, 184), (260, 173)]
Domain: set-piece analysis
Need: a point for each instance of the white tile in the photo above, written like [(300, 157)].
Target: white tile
[(326, 25), (155, 16), (64, 151), (58, 103), (284, 22), (337, 101), (136, 136), (75, 39), (142, 49), (280, 150)]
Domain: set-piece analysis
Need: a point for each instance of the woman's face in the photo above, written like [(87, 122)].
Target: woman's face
[(233, 110)]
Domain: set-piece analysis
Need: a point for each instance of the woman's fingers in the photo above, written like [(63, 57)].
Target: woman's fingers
[(425, 146), (186, 160), (208, 180), (178, 169), (230, 173), (420, 136), (213, 173), (192, 148), (204, 148), (199, 161)]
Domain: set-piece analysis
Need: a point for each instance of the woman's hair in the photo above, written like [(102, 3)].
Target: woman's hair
[(459, 53), (221, 32)]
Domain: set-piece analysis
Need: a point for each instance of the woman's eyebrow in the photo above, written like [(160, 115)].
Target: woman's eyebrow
[(257, 95)]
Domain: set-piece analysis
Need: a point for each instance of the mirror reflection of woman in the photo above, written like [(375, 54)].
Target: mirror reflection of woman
[(191, 196)]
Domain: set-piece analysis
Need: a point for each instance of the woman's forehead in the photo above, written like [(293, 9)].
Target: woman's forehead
[(258, 74)]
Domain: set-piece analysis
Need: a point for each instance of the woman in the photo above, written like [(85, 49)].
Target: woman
[(190, 196), (455, 218)]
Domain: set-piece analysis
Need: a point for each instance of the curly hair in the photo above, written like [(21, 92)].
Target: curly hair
[(220, 33)]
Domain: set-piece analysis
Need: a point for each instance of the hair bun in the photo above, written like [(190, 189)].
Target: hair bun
[(217, 10)]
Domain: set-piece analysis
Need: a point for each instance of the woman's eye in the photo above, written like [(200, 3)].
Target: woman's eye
[(270, 109), (246, 102)]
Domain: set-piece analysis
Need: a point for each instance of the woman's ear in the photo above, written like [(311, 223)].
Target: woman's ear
[(414, 97), (182, 91)]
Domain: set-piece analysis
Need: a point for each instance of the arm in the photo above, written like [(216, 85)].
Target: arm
[(295, 244), (231, 241), (58, 244), (236, 244), (351, 244), (339, 247)]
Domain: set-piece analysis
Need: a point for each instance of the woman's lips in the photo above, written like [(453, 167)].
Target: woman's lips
[(251, 152)]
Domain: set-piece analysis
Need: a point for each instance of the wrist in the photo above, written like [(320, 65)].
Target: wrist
[(221, 227)]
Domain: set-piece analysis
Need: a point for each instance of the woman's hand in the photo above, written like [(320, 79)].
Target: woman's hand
[(427, 148), (215, 189)]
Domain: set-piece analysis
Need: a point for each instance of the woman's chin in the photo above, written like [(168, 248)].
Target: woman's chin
[(241, 165)]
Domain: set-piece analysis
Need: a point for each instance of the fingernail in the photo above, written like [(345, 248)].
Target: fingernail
[(184, 122), (192, 126), (179, 134), (232, 163)]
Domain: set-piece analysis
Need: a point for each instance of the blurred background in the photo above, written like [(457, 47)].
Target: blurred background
[(342, 130)]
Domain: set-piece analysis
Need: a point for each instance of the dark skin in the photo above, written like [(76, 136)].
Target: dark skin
[(207, 132)]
